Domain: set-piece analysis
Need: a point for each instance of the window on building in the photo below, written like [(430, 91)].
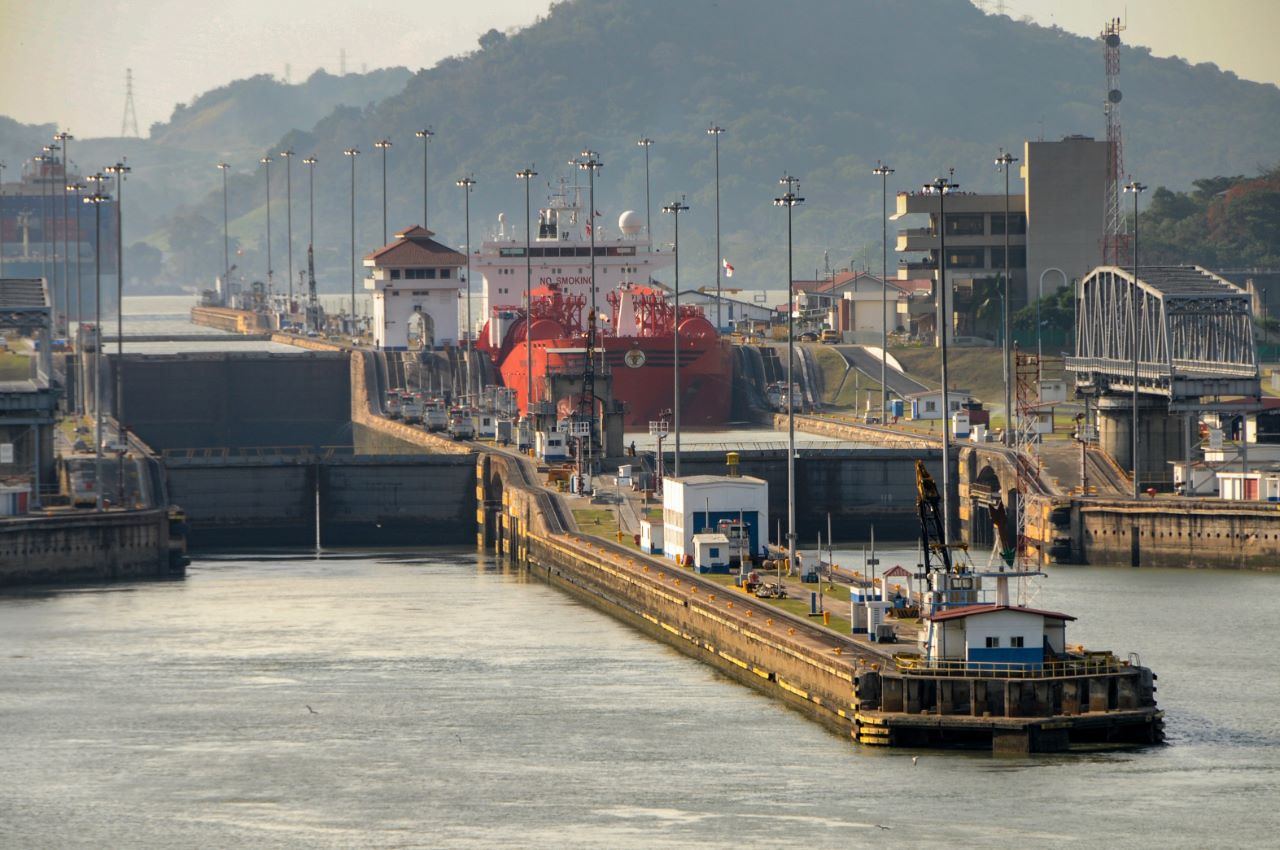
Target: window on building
[(1017, 224), (714, 552), (993, 643), (965, 258), (445, 274), (930, 406), (1017, 257), (964, 225), (510, 252), (395, 274), (1016, 641)]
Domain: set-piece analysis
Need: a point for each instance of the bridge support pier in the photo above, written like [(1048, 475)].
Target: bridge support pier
[(1161, 437)]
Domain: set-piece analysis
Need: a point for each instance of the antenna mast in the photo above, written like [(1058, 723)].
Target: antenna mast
[(1115, 233), (130, 120)]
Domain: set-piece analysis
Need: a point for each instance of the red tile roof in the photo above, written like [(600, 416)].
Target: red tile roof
[(414, 246), (897, 571), (978, 610)]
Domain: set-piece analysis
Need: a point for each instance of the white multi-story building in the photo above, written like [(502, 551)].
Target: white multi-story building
[(415, 285), (696, 502)]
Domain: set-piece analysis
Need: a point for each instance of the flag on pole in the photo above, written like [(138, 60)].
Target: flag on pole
[(728, 269)]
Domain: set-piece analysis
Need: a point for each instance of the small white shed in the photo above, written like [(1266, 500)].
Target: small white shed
[(651, 536), (711, 553)]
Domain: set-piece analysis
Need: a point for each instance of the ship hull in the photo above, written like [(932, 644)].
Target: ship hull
[(642, 376)]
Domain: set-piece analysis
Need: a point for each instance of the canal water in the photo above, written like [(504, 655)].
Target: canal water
[(435, 699)]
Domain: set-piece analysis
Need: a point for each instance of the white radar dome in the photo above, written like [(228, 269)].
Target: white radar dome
[(630, 223)]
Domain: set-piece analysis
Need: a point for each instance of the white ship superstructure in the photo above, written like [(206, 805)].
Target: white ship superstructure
[(561, 255)]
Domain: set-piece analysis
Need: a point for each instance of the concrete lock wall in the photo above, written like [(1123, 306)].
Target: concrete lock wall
[(238, 400), (84, 547), (859, 488), (397, 500), (1161, 438), (1180, 533), (246, 503)]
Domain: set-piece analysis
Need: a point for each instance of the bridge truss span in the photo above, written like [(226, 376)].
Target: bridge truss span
[(1194, 336)]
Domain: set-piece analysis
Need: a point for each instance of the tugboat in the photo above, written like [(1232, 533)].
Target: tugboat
[(995, 671)]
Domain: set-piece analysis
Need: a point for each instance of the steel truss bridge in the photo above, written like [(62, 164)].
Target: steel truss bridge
[(1195, 337)]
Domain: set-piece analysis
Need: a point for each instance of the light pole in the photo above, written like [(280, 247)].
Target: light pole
[(353, 153), (425, 135), (266, 161), (80, 395), (119, 170), (646, 143), (1003, 161), (382, 145), (589, 161), (526, 175), (2, 168), (97, 199), (789, 199), (310, 163), (1137, 189), (45, 159), (226, 257), (40, 159), (675, 208), (883, 171), (715, 132), (288, 218), (941, 187), (65, 137), (465, 183)]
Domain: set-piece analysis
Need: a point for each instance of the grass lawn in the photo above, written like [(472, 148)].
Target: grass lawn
[(14, 367)]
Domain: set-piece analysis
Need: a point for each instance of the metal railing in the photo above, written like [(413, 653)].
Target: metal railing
[(1091, 664)]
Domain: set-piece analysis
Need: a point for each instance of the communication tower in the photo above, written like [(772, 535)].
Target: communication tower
[(1115, 232), (130, 120)]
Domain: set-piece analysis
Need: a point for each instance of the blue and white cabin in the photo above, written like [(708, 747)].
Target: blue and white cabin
[(995, 635)]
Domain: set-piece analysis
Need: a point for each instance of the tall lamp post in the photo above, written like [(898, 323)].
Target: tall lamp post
[(1137, 189), (942, 186), (266, 161), (883, 171), (790, 199), (1003, 161), (65, 138), (226, 257), (288, 217), (425, 135), (80, 312), (589, 161), (40, 159), (310, 163), (526, 175), (353, 153), (466, 184), (97, 199), (646, 143), (675, 208), (119, 169), (2, 168), (383, 145), (715, 132)]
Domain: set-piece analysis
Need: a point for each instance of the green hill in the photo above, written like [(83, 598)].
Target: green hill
[(852, 81)]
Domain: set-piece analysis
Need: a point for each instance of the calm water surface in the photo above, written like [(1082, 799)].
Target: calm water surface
[(456, 704)]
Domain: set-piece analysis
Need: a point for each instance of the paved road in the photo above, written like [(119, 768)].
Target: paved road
[(869, 364)]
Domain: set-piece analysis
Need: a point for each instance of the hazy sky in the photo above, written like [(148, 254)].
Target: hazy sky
[(64, 61)]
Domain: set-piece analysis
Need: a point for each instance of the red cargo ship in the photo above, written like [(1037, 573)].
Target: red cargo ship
[(635, 322)]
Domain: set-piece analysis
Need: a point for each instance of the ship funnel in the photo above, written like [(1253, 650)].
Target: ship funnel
[(731, 460)]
